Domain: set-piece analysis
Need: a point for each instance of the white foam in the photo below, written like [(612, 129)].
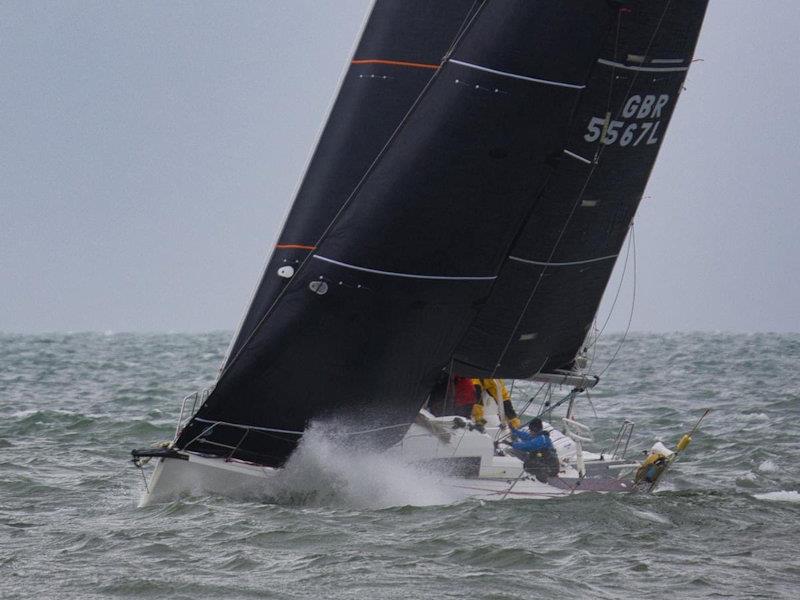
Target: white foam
[(665, 486), (21, 414), (782, 496), (651, 516), (767, 466), (324, 471)]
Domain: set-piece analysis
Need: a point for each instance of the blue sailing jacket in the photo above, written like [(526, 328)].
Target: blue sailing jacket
[(527, 442)]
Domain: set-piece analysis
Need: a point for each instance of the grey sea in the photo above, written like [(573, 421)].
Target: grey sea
[(725, 525)]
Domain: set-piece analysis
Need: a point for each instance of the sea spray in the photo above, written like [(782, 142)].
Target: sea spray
[(328, 468)]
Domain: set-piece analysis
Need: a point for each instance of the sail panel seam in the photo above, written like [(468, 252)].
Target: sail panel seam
[(611, 63), (562, 264), (295, 246), (516, 76), (394, 63), (577, 156), (407, 275)]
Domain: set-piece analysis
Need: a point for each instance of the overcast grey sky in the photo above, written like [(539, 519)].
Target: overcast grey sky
[(150, 150)]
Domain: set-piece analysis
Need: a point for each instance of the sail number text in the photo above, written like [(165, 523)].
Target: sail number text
[(634, 130)]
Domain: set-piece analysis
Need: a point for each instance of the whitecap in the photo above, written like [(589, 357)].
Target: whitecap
[(782, 496), (767, 466), (753, 416), (651, 516), (21, 414)]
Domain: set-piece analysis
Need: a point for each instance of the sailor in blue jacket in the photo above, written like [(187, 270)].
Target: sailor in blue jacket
[(540, 458), (534, 440)]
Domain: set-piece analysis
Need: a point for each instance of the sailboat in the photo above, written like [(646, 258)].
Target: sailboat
[(460, 216)]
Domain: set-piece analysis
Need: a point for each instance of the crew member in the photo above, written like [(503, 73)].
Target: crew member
[(502, 397), (465, 396), (536, 449), (536, 438)]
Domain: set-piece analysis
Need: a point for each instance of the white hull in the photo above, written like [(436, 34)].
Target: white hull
[(460, 462), (198, 475)]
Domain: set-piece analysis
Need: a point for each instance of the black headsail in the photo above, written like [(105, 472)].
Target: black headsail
[(549, 289), (422, 187)]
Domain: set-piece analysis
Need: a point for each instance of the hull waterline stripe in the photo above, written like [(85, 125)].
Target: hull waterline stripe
[(298, 246), (515, 76), (561, 264), (405, 275), (611, 63), (578, 156), (248, 426), (394, 63)]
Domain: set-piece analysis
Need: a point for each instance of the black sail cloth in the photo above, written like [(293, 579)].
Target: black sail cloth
[(549, 289), (399, 51), (458, 242)]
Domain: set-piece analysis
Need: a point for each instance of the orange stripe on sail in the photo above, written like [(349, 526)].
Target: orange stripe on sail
[(396, 63), (296, 246)]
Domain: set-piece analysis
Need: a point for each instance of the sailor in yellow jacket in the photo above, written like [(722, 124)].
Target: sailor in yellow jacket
[(501, 396)]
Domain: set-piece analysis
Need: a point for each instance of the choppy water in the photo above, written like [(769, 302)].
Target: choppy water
[(726, 525)]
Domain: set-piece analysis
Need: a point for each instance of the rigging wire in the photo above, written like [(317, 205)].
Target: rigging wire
[(465, 24), (593, 344), (530, 401), (547, 402), (633, 305), (589, 400)]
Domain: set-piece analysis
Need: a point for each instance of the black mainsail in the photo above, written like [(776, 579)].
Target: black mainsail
[(464, 207), (400, 50)]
